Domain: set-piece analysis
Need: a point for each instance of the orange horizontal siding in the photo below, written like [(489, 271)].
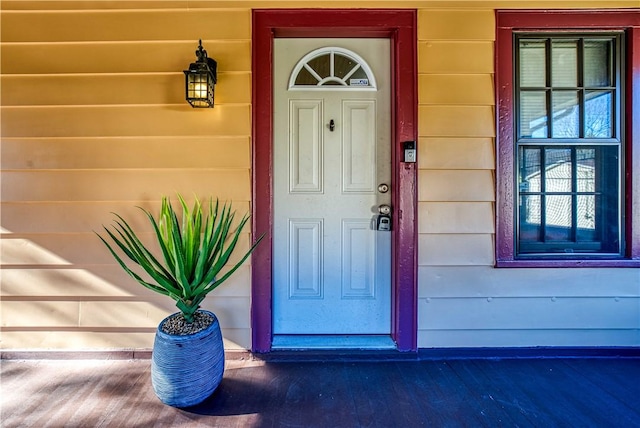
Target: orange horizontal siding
[(125, 121), (148, 153), (122, 185), (110, 89), (120, 57), (125, 25)]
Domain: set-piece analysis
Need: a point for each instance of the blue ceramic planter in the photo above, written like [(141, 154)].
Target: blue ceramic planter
[(185, 370)]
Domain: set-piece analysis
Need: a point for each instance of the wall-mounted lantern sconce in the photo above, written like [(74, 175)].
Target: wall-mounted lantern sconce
[(200, 80)]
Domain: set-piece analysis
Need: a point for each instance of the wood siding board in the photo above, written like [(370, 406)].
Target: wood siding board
[(126, 25), (90, 5), (455, 250), (455, 186), (477, 338), (75, 339), (236, 339), (115, 89), (121, 185), (28, 283), (72, 5), (442, 153), (39, 314), (457, 57), (506, 313), (455, 24), (96, 282), (456, 121), (163, 152), (455, 217), (84, 217), (114, 315), (74, 249), (233, 312), (125, 121), (486, 282), (120, 57), (456, 89)]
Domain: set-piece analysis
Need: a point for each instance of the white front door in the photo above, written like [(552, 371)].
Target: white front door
[(331, 267)]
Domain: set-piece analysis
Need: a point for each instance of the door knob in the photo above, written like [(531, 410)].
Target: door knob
[(384, 209)]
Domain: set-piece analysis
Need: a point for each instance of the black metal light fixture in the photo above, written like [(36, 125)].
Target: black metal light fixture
[(200, 80)]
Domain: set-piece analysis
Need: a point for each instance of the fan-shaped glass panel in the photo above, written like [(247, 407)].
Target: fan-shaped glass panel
[(332, 68)]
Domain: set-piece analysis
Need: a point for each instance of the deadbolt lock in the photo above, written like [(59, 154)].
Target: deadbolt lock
[(383, 188)]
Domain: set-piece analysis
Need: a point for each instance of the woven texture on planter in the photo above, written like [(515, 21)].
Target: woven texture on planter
[(185, 370)]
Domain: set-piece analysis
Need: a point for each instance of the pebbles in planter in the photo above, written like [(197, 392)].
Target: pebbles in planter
[(177, 325)]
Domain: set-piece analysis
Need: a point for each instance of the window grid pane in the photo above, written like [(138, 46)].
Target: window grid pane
[(568, 199), (532, 54), (566, 114), (598, 111), (568, 191), (577, 78), (533, 113), (564, 63), (598, 63)]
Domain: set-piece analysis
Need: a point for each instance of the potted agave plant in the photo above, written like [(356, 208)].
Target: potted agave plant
[(188, 354)]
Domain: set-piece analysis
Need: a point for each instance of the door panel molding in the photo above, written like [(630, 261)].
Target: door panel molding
[(359, 157), (400, 27), (306, 177)]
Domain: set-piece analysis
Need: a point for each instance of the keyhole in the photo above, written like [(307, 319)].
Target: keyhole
[(332, 125)]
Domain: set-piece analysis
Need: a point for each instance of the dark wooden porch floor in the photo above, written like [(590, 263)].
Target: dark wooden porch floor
[(442, 393)]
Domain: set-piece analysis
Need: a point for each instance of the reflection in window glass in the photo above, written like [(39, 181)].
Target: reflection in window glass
[(586, 217), (598, 114), (358, 75), (533, 63), (585, 165), (533, 114), (564, 63), (572, 204), (530, 218), (566, 114), (305, 77), (558, 213), (598, 63), (558, 170), (343, 66), (571, 106), (321, 65), (529, 161)]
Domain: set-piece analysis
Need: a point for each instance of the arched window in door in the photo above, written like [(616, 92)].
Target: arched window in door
[(332, 68)]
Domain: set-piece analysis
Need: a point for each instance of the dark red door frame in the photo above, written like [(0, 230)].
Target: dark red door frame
[(400, 27)]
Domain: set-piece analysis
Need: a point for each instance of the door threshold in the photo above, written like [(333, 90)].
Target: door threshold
[(328, 342)]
